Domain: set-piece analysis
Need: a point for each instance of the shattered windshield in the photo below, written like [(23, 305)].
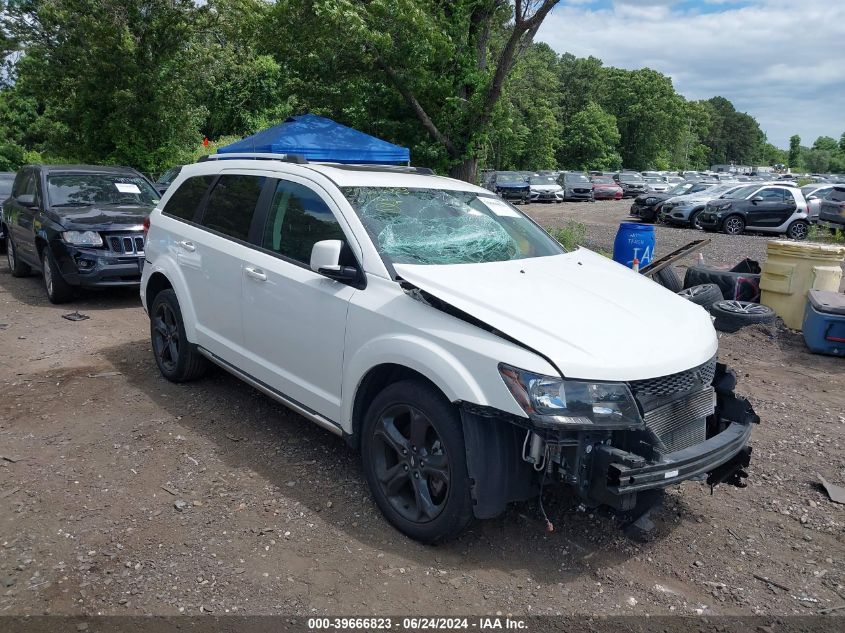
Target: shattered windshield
[(432, 226)]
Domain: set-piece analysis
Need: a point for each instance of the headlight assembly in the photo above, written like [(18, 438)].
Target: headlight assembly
[(558, 403), (82, 238)]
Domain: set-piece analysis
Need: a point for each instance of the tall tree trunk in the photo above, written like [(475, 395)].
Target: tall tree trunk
[(466, 170)]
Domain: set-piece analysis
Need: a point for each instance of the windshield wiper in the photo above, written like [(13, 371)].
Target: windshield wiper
[(71, 204)]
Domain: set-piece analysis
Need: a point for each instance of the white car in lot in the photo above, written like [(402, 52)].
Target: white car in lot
[(465, 353)]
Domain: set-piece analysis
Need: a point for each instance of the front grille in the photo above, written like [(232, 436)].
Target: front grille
[(688, 380), (682, 422), (132, 244), (581, 190), (676, 407)]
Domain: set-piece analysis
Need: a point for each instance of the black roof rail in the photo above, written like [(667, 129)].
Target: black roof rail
[(286, 158), (402, 169)]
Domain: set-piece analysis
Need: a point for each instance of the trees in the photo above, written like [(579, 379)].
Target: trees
[(794, 150), (590, 140), (448, 61)]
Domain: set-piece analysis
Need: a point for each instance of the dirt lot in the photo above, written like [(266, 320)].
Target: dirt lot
[(97, 451)]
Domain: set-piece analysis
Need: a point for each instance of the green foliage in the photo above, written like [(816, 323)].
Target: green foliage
[(141, 82), (590, 140), (573, 235)]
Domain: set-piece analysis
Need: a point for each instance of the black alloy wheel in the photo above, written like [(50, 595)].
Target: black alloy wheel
[(414, 458), (177, 358), (166, 338)]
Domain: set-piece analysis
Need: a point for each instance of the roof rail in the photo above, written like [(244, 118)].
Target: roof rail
[(402, 169), (287, 158)]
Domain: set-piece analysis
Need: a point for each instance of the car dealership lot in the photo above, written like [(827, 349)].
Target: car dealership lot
[(273, 515)]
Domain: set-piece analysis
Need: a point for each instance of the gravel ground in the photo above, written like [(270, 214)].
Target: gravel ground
[(121, 493)]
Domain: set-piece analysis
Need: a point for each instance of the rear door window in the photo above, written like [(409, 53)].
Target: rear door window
[(298, 219), (232, 204), (837, 195), (186, 199), (788, 197)]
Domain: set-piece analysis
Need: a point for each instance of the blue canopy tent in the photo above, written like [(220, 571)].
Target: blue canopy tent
[(320, 139)]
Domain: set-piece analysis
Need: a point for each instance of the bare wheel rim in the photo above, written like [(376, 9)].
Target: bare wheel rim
[(48, 275), (798, 231), (411, 463), (743, 307), (696, 223), (692, 292), (166, 337), (733, 226)]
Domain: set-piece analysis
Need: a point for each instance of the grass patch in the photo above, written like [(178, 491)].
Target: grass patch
[(573, 235), (825, 235)]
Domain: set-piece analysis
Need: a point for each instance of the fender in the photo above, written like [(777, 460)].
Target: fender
[(422, 355), (167, 266)]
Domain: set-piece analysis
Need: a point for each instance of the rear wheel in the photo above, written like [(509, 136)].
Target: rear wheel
[(733, 225), (177, 359), (58, 290), (414, 460), (798, 230), (18, 268)]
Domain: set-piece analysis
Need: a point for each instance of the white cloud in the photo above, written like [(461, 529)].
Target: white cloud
[(778, 60)]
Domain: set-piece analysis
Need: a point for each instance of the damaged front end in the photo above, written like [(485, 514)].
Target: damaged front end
[(692, 426)]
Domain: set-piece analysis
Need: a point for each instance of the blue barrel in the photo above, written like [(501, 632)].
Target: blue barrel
[(633, 240)]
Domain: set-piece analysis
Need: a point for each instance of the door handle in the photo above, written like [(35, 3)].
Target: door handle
[(255, 273), (188, 246)]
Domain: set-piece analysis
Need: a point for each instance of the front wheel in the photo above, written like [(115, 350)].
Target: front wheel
[(695, 220), (18, 268), (798, 230), (414, 460), (177, 359), (733, 225), (57, 289)]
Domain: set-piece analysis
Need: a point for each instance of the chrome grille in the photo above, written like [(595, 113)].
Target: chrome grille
[(676, 383), (682, 422), (127, 244)]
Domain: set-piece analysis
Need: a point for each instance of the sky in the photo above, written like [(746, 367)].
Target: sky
[(781, 61)]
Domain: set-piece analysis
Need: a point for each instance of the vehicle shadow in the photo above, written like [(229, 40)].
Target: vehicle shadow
[(251, 431), (30, 291)]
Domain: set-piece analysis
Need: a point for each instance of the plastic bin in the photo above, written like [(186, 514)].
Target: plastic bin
[(824, 322), (793, 268)]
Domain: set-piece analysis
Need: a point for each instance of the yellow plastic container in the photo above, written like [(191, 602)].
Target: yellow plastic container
[(793, 268)]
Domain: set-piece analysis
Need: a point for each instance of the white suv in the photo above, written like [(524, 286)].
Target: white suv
[(469, 357)]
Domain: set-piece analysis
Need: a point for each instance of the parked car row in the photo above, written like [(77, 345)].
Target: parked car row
[(459, 397), (768, 207)]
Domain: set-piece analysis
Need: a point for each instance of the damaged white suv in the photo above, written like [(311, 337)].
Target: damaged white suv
[(469, 357)]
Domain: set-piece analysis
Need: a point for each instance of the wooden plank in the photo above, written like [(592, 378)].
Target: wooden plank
[(661, 263)]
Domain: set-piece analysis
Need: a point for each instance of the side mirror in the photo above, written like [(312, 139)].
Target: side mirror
[(26, 200), (325, 259), (757, 199)]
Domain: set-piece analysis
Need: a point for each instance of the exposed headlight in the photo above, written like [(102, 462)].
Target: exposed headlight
[(557, 403), (82, 238), (650, 200)]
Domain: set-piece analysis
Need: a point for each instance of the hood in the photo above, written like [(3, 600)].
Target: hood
[(512, 185), (546, 188), (693, 198), (594, 318), (657, 196), (605, 185), (106, 218)]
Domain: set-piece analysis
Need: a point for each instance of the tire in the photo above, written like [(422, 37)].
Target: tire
[(18, 268), (733, 315), (408, 422), (703, 295), (178, 360), (667, 278), (57, 289), (733, 225), (798, 230), (743, 286), (693, 220)]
